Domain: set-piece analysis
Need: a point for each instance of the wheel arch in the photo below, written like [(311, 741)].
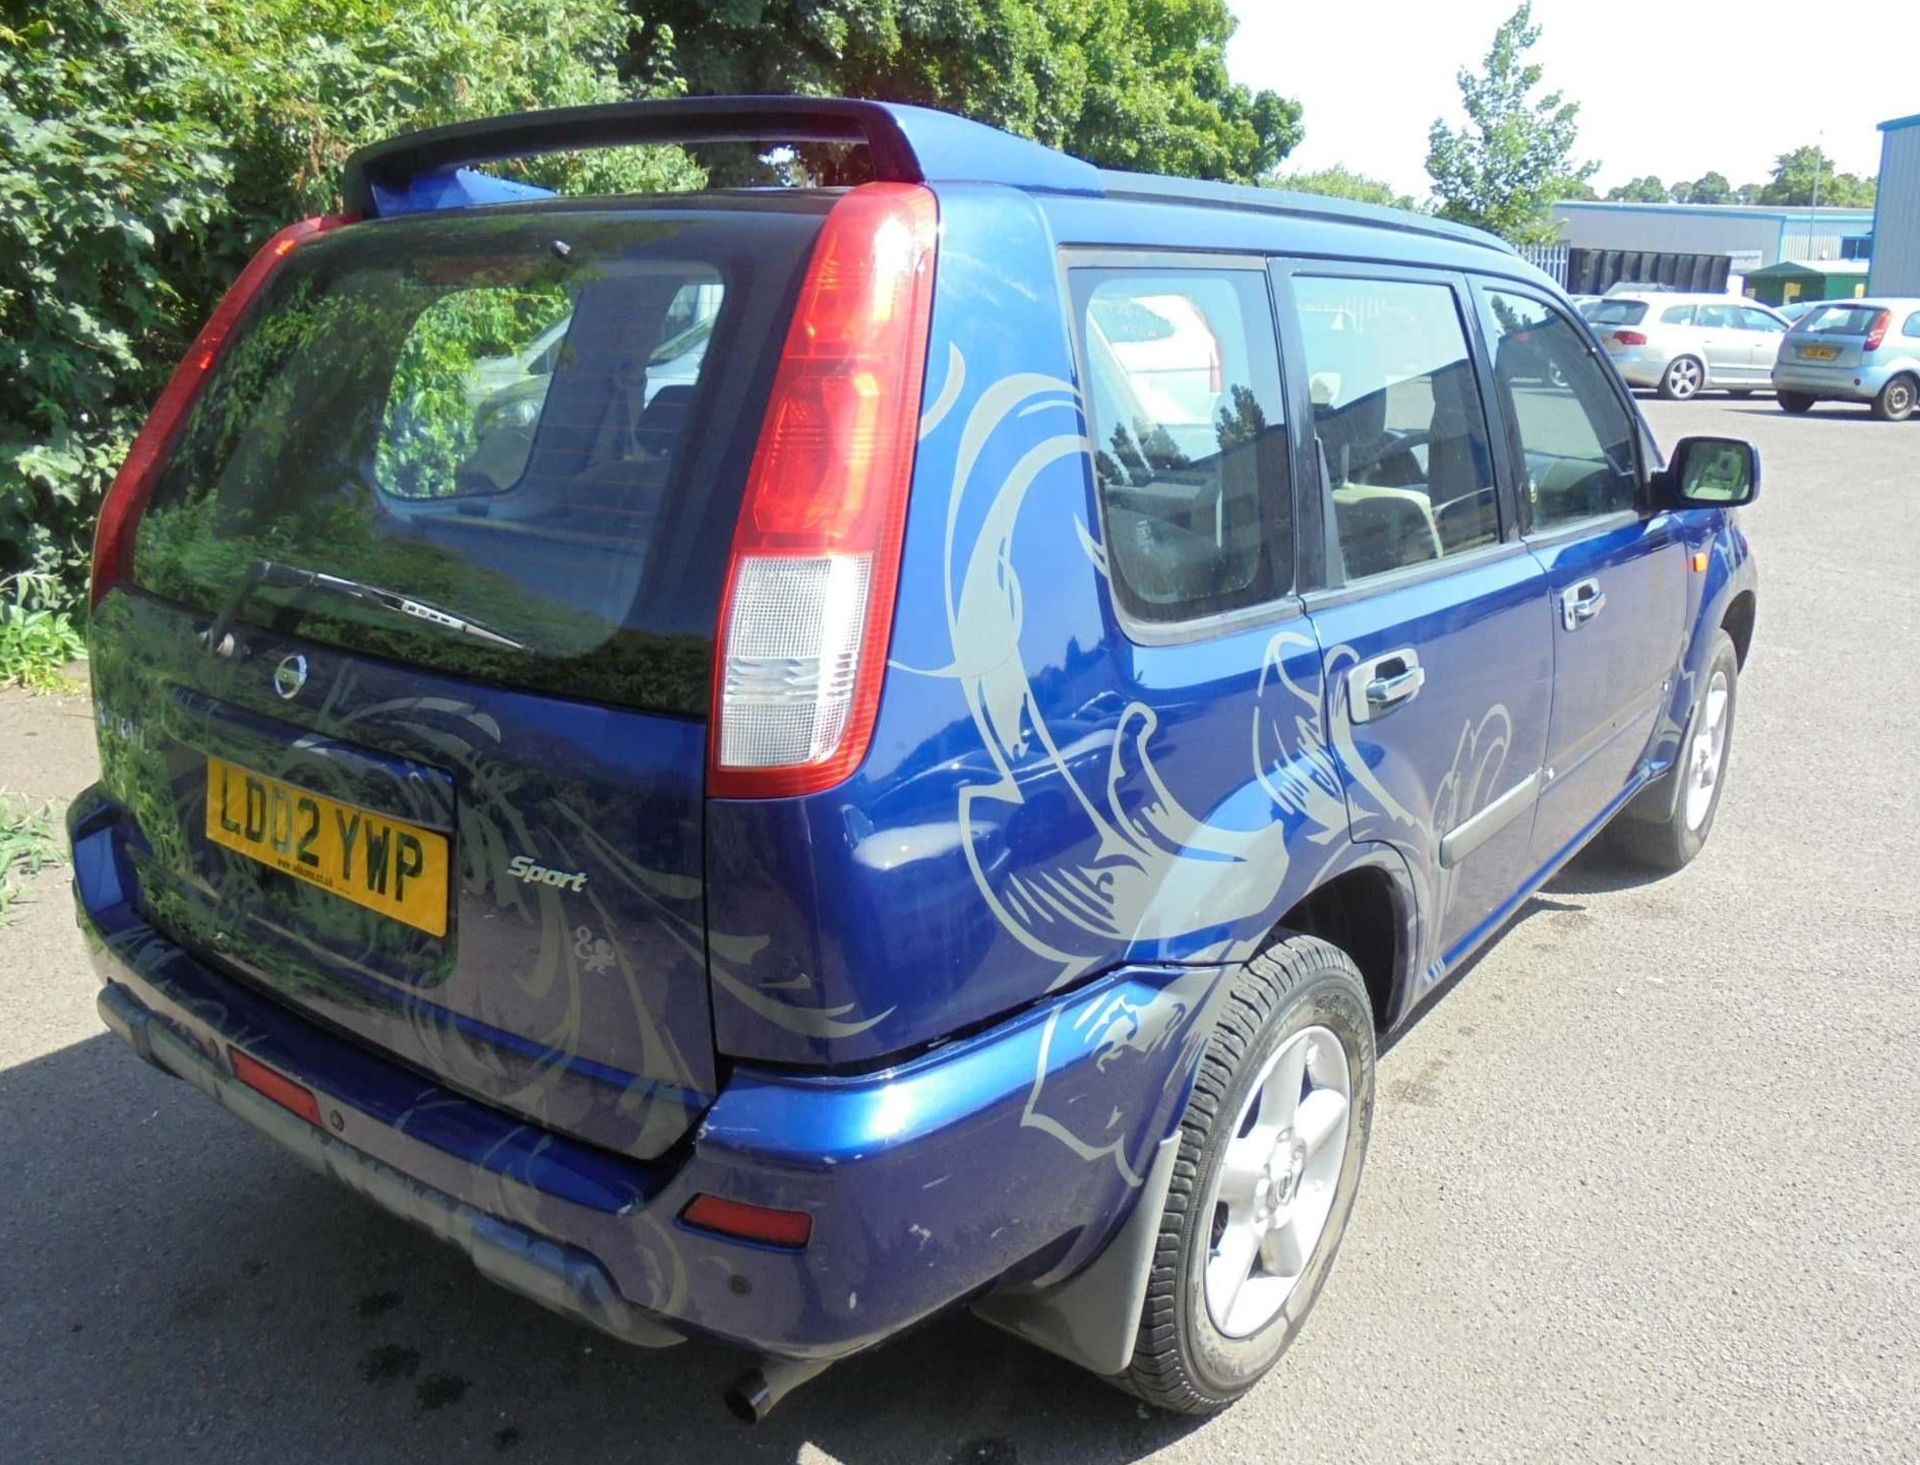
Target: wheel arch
[(1737, 621), (1369, 911)]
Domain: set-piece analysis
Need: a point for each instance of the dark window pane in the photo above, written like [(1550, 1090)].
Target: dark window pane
[(1190, 449)]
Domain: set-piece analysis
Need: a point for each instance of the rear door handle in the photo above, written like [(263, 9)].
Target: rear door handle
[(1376, 687), (1581, 603)]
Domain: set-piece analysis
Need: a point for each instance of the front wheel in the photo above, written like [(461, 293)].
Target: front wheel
[(1896, 400), (1271, 1149), (1682, 379), (1664, 838), (1798, 403)]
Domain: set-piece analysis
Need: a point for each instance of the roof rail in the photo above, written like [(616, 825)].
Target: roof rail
[(1298, 205), (907, 144)]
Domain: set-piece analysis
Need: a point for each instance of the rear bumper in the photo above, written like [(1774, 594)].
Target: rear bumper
[(1640, 366), (1013, 1155), (1845, 383)]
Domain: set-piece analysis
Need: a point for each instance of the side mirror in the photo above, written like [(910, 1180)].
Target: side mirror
[(1712, 473)]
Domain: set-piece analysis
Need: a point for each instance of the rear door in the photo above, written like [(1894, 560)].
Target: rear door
[(1437, 647), (460, 494), (1721, 343), (1615, 575), (1764, 334)]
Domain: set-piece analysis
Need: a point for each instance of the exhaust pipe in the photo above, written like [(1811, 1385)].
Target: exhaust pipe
[(751, 1397)]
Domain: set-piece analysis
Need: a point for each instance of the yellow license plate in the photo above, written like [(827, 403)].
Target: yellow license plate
[(386, 865), (1819, 353)]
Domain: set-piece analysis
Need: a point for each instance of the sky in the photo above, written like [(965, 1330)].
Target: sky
[(1666, 88)]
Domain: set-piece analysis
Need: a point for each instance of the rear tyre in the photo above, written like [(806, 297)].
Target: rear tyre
[(1683, 378), (1667, 840), (1896, 400), (1271, 1149), (1798, 403)]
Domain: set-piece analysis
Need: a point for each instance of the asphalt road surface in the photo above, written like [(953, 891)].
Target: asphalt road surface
[(1644, 1185)]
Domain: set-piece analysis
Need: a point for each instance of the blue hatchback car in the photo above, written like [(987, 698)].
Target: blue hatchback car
[(774, 761)]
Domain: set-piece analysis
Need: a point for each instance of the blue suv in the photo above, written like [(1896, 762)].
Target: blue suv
[(774, 761)]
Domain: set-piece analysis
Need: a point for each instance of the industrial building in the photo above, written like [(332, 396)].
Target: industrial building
[(1896, 215), (1751, 237)]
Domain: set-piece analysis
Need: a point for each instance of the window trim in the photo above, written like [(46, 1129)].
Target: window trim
[(1515, 456), (1329, 574), (1285, 603)]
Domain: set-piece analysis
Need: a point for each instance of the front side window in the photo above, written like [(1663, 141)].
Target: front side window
[(1190, 444), (1574, 436), (1760, 320), (1399, 419), (1714, 317)]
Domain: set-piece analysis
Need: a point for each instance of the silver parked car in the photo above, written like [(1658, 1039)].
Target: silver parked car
[(1686, 344), (1854, 351)]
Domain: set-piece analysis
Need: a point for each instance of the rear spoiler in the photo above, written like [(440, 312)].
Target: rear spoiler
[(906, 144)]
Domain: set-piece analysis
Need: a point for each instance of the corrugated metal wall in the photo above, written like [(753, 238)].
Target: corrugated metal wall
[(1896, 233)]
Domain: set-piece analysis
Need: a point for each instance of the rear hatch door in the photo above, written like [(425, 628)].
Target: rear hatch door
[(409, 697), (1831, 336)]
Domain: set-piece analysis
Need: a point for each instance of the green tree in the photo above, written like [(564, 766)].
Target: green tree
[(1639, 190), (1514, 159), (1806, 175), (1707, 188), (148, 146), (1125, 83), (1342, 182)]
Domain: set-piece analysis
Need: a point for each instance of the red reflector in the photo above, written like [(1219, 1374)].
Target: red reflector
[(294, 1098), (749, 1223), (1630, 338), (120, 511)]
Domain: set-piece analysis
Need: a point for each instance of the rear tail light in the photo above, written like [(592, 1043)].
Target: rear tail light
[(1631, 338), (120, 512), (749, 1223), (1877, 332), (295, 1098), (802, 642)]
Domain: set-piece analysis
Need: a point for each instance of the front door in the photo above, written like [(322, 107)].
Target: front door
[(1434, 632), (1616, 576), (1764, 334)]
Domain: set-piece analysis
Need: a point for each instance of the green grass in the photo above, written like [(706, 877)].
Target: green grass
[(27, 846), (38, 639)]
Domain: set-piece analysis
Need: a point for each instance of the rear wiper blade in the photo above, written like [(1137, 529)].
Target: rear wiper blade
[(290, 577)]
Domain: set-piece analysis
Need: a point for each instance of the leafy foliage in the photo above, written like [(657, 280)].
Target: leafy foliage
[(1514, 159), (1707, 188), (1639, 190), (1124, 83), (37, 636), (1806, 175), (1342, 182), (27, 846)]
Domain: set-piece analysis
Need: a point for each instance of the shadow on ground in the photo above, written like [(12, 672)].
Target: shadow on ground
[(162, 1255)]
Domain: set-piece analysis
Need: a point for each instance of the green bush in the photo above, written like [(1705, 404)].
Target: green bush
[(37, 635)]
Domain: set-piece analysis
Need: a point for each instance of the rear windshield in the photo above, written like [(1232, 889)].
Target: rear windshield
[(1618, 313), (536, 424), (1838, 320)]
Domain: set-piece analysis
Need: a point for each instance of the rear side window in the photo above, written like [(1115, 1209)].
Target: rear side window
[(1714, 317), (1677, 315), (1912, 327), (1189, 437), (497, 418), (1618, 313), (1838, 320), (1398, 416)]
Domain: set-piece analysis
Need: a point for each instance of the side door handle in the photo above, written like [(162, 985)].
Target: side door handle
[(1377, 686), (1581, 603)]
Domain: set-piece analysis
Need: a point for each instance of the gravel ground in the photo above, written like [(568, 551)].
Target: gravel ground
[(1643, 1186)]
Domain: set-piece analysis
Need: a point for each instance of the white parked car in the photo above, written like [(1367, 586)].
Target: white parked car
[(1686, 344)]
